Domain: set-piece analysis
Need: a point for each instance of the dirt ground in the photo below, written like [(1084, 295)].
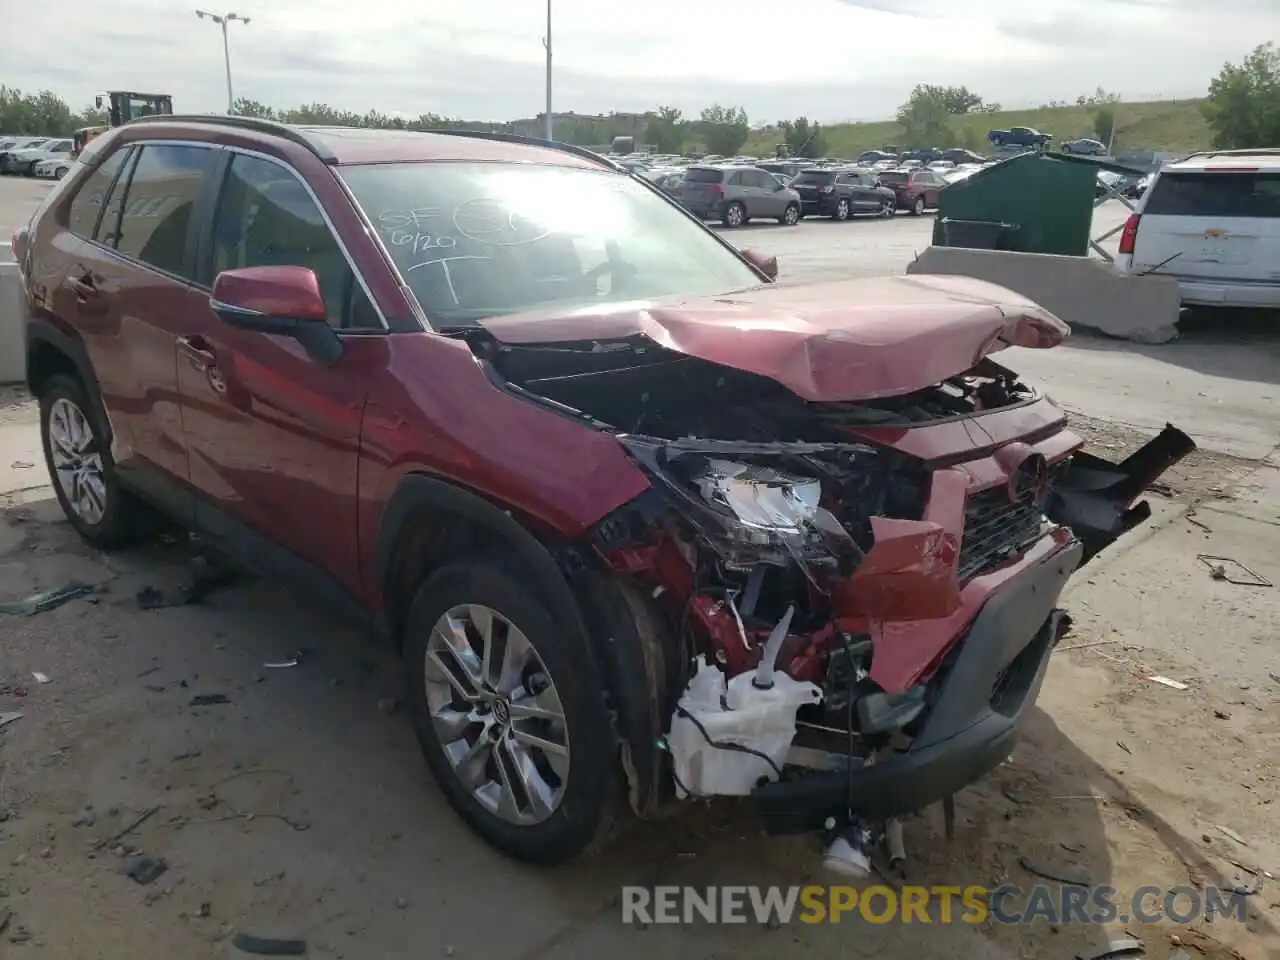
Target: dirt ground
[(298, 804)]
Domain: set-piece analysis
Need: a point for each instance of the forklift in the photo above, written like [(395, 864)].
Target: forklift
[(124, 105)]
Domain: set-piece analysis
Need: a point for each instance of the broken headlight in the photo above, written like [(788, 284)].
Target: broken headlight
[(750, 513), (761, 498)]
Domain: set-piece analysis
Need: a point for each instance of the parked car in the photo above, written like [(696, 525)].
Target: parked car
[(1107, 181), (1019, 137), (24, 161), (841, 193), (1138, 187), (7, 154), (54, 168), (565, 464), (961, 157), (735, 194), (876, 156), (1085, 147), (1212, 221), (787, 169), (916, 190)]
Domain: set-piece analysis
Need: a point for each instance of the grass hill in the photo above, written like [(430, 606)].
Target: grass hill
[(1172, 125)]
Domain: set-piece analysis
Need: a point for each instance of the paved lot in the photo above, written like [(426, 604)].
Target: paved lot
[(302, 808)]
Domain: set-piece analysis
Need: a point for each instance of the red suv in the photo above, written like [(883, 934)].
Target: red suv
[(515, 408)]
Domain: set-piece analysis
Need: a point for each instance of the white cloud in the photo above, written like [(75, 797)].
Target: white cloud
[(483, 59)]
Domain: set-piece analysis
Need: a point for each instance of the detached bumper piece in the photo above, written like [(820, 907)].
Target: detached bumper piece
[(981, 707), (1096, 498)]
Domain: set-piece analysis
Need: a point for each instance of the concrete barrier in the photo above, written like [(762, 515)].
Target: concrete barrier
[(13, 332), (1081, 291)]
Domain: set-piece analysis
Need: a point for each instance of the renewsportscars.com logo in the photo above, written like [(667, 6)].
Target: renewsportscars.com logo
[(1007, 904)]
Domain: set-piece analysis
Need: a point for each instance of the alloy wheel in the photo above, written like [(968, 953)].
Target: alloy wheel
[(497, 714), (792, 216), (77, 465), (734, 215)]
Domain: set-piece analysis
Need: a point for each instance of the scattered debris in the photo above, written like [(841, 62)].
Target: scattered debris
[(1124, 746), (1060, 874), (209, 699), (1094, 643), (1116, 948), (5, 916), (1230, 834), (1233, 571), (203, 578), (139, 821), (293, 661), (1190, 517), (8, 718), (21, 465), (269, 946), (41, 677), (188, 755), (147, 672), (1222, 715), (45, 601), (146, 870), (1169, 682)]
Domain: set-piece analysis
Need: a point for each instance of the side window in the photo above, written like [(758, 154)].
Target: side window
[(158, 205), (91, 198), (735, 179), (266, 217)]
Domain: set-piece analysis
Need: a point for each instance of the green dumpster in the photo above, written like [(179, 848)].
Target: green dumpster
[(1049, 197)]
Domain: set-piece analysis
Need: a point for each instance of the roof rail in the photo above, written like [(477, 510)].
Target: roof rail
[(577, 151), (256, 124), (1251, 152)]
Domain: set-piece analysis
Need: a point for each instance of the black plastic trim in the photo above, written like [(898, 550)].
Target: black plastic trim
[(965, 735)]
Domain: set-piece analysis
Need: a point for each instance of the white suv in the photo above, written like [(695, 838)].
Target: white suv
[(1213, 222)]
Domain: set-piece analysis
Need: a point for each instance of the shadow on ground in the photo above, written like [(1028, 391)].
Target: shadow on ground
[(298, 804)]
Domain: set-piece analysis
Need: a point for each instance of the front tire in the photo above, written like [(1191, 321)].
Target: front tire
[(83, 475), (735, 215), (512, 725), (890, 208)]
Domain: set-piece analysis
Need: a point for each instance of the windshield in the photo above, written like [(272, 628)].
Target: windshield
[(32, 144), (477, 240), (820, 177)]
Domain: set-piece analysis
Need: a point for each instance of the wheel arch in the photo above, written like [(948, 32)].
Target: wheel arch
[(429, 522), (52, 351)]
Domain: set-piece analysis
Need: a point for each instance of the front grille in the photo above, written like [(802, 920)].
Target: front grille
[(996, 529)]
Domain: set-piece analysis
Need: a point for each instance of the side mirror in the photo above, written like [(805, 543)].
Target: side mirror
[(766, 265), (285, 301)]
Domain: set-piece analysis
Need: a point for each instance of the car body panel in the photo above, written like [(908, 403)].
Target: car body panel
[(847, 340)]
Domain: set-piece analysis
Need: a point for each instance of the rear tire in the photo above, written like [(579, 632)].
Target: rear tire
[(791, 217), (83, 475), (579, 797), (917, 207), (735, 214), (841, 211)]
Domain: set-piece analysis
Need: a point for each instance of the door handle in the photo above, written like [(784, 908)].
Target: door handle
[(196, 349), (84, 288)]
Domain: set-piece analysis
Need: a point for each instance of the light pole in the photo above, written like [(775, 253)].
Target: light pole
[(546, 42), (222, 20)]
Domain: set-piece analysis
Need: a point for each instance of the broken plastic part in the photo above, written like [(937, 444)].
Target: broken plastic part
[(765, 672), (850, 853), (727, 738), (761, 498)]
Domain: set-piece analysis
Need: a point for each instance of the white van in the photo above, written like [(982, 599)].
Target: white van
[(1213, 222)]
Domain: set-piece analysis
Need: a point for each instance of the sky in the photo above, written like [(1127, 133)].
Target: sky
[(830, 60)]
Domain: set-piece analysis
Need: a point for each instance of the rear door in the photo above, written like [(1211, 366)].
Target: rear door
[(764, 198), (1214, 225)]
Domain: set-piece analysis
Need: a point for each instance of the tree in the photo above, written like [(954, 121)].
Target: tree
[(665, 130), (924, 118), (802, 138), (1243, 108), (43, 113), (1104, 122), (244, 107), (723, 129)]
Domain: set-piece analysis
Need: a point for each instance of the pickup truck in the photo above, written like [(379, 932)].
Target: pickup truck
[(1019, 137)]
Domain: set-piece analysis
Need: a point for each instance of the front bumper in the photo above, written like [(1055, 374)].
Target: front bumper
[(981, 706)]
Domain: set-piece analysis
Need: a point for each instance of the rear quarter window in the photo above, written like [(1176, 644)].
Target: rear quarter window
[(87, 204), (1221, 195)]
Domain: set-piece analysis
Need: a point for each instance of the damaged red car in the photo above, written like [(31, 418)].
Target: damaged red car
[(644, 524)]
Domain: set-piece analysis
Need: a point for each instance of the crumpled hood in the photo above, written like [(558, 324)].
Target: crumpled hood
[(848, 340)]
